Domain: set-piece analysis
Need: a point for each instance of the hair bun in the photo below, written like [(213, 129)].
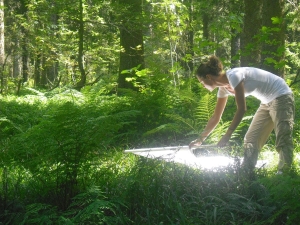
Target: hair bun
[(213, 66)]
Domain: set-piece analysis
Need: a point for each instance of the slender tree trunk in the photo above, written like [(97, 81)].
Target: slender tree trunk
[(273, 47), (205, 21), (44, 72), (25, 60), (131, 40), (190, 50), (23, 10), (37, 71), (80, 59), (236, 6), (235, 47), (17, 62), (205, 29), (252, 24), (2, 49), (52, 71)]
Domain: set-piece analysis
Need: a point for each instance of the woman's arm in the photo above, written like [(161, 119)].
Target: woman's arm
[(212, 123), (239, 114)]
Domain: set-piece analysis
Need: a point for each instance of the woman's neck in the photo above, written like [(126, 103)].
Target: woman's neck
[(222, 79)]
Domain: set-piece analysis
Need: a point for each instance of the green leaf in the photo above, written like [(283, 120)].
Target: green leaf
[(276, 20)]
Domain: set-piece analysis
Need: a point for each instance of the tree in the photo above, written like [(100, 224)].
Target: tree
[(59, 43), (236, 26), (82, 80), (190, 36), (131, 41), (273, 36), (25, 53), (2, 51), (252, 24)]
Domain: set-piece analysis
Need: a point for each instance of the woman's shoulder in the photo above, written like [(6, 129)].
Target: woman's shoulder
[(239, 69), (249, 70), (237, 73)]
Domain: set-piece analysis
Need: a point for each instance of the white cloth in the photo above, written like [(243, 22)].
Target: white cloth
[(259, 83)]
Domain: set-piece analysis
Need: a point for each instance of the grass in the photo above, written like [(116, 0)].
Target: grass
[(55, 172), (129, 189), (160, 192)]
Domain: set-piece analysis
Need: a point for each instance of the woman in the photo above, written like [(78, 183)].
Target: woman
[(276, 110)]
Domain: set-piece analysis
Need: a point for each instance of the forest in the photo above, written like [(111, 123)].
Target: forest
[(83, 80)]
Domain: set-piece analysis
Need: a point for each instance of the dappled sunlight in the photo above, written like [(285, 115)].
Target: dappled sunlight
[(208, 158)]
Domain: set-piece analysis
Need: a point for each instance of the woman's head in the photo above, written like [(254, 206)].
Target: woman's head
[(208, 73), (213, 67)]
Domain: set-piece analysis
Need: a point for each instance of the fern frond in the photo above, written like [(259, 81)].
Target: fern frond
[(39, 213), (205, 108), (91, 207), (11, 123), (218, 132), (163, 127), (35, 91), (195, 124), (189, 123)]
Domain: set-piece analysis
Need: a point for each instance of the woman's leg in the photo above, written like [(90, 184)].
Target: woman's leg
[(282, 111), (257, 135)]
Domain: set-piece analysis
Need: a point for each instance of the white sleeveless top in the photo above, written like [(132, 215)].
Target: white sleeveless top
[(259, 83)]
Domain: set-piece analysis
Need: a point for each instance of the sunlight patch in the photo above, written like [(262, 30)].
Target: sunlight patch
[(206, 157)]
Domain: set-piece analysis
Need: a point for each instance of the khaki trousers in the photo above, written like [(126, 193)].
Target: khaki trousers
[(278, 115)]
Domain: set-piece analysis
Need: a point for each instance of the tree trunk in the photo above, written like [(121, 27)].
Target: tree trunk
[(52, 70), (25, 60), (235, 47), (80, 59), (206, 7), (235, 6), (252, 24), (2, 50), (16, 62), (37, 71), (205, 21), (190, 49), (187, 48), (131, 40), (273, 46), (44, 73), (25, 72)]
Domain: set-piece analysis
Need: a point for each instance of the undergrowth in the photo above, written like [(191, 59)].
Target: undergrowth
[(62, 162)]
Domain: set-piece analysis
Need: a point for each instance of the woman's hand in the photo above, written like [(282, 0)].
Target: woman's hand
[(238, 116), (196, 142), (224, 140)]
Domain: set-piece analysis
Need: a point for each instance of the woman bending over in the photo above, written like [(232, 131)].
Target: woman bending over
[(276, 110)]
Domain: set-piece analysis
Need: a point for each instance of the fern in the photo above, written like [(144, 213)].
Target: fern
[(192, 125), (205, 108), (92, 207), (39, 213), (164, 127), (12, 124)]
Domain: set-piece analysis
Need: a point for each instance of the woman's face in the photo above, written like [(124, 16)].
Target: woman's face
[(208, 82)]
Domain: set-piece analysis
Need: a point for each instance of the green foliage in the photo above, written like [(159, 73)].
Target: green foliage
[(187, 113), (61, 159), (91, 207), (38, 213), (59, 145), (166, 193), (62, 162), (190, 113), (286, 203)]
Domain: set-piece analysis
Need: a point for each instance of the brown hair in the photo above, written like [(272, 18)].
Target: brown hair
[(213, 66)]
